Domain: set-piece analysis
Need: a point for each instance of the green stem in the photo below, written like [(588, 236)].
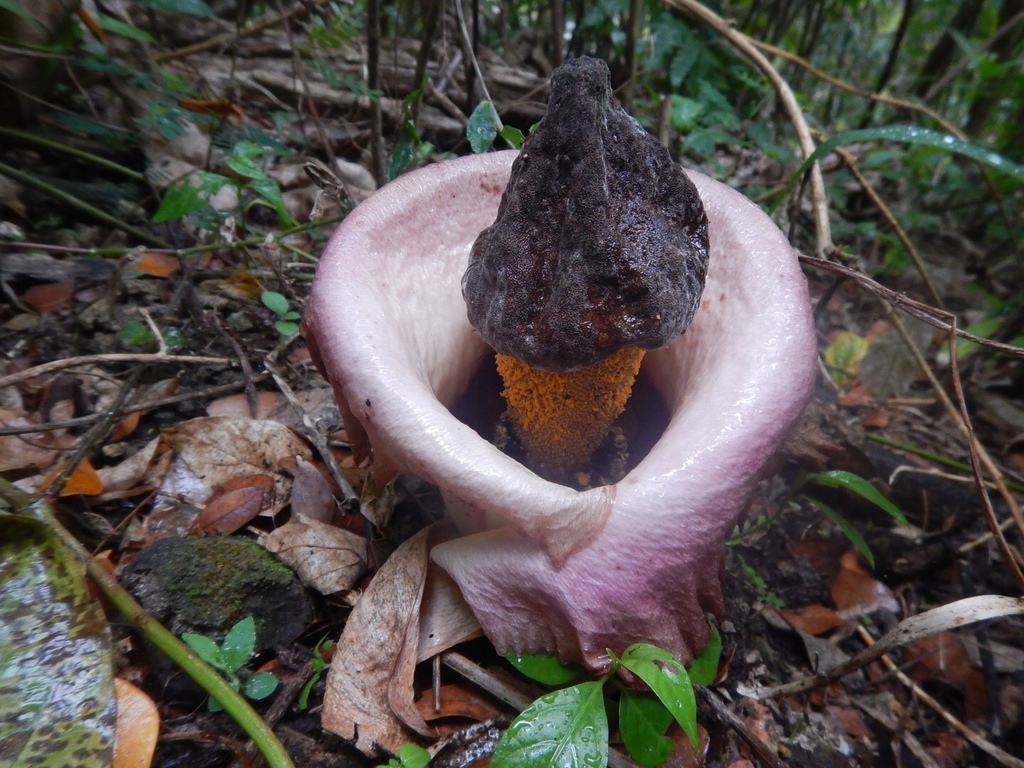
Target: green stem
[(938, 458), (48, 189), (102, 162), (151, 629)]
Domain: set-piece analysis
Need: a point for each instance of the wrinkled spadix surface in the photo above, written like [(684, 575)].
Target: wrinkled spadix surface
[(576, 572)]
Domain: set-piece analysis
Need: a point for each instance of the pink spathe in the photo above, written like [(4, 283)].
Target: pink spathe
[(574, 573)]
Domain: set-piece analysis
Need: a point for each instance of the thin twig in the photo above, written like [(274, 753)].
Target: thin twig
[(765, 752), (113, 357), (851, 164), (743, 44), (314, 434)]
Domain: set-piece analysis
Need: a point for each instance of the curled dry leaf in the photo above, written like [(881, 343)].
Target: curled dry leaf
[(369, 694), (856, 591), (138, 725), (236, 503), (311, 493), (326, 558)]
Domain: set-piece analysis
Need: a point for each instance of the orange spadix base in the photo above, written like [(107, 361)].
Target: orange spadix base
[(561, 418)]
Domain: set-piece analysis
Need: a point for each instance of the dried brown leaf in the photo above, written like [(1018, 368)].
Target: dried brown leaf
[(326, 558)]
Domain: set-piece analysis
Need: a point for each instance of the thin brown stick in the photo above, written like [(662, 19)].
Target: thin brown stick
[(839, 83), (959, 726), (767, 754), (851, 164), (743, 44), (114, 357)]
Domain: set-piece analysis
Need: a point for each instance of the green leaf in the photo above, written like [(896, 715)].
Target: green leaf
[(239, 643), (275, 302), (838, 478), (260, 685), (413, 756), (549, 670), (704, 668), (187, 7), (844, 355), (668, 680), (11, 6), (180, 200), (849, 531), (286, 327), (137, 334), (208, 650), (566, 728), (268, 189), (643, 720), (911, 134), (482, 127), (57, 704), (127, 31), (512, 135)]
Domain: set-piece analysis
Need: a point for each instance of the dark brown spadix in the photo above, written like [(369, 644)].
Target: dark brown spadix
[(600, 242)]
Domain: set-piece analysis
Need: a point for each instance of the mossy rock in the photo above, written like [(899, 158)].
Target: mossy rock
[(208, 585)]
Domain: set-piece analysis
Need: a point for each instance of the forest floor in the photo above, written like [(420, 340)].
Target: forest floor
[(153, 385)]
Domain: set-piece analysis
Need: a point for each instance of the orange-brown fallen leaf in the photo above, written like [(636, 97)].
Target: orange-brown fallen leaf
[(457, 700), (234, 504), (157, 264), (856, 591), (813, 619), (49, 297), (138, 725)]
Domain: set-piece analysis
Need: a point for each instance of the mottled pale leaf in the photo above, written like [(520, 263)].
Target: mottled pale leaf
[(57, 704)]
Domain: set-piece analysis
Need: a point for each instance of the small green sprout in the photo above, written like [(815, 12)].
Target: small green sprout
[(409, 756), (319, 665), (229, 658), (287, 317)]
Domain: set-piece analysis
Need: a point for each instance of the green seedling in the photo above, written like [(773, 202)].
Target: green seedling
[(229, 659), (569, 726), (409, 756), (287, 318), (319, 665)]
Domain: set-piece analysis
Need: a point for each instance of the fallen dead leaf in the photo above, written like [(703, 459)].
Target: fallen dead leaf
[(369, 695), (813, 619), (234, 504), (209, 452), (138, 725), (326, 558), (457, 700), (83, 481), (445, 618), (139, 473), (31, 450), (49, 297), (157, 264), (317, 402), (312, 497), (855, 591)]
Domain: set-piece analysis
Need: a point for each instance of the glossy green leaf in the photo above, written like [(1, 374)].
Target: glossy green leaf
[(567, 728), (260, 685), (838, 478), (57, 704), (239, 643), (482, 127), (669, 681), (704, 668), (546, 669), (179, 200), (413, 756), (911, 134), (643, 720)]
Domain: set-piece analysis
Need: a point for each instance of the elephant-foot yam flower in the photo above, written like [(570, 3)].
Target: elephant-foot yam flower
[(566, 571)]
